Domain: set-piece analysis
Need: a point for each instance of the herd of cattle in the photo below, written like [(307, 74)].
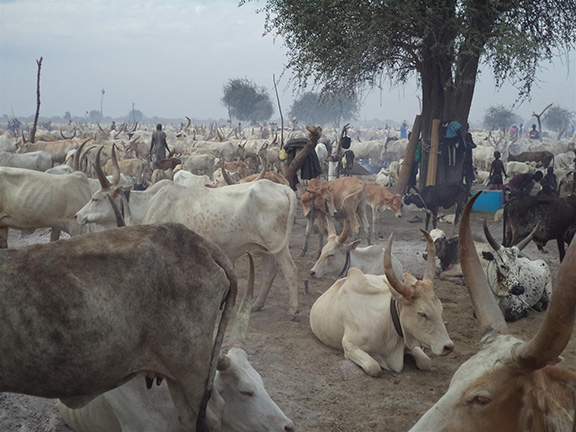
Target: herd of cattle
[(158, 312)]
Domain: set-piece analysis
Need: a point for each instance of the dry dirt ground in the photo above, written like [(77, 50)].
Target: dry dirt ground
[(313, 384)]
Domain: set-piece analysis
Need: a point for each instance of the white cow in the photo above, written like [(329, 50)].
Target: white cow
[(376, 319), (337, 258), (33, 199), (513, 167), (186, 178), (37, 161), (9, 142), (255, 217)]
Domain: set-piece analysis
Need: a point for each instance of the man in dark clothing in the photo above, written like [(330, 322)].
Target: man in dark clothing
[(549, 184), (521, 184), (310, 168), (497, 170), (158, 146)]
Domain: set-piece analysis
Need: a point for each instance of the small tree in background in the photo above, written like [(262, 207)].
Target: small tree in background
[(558, 119), (246, 101), (501, 117), (314, 108)]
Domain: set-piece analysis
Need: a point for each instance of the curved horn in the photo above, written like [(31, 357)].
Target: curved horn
[(400, 286), (65, 137), (78, 156), (483, 300), (556, 328), (226, 176), (527, 240), (493, 243), (119, 219), (188, 124), (264, 162), (116, 172), (430, 270), (344, 235), (100, 127), (240, 327), (103, 180)]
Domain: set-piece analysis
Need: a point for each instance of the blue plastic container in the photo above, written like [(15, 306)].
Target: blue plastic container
[(489, 201)]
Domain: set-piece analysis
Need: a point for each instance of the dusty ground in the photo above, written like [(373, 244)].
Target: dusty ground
[(313, 384)]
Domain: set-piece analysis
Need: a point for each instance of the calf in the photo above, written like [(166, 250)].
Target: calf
[(379, 199), (82, 316), (376, 319), (552, 218), (439, 196)]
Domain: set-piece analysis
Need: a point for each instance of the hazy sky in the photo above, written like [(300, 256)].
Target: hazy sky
[(172, 58)]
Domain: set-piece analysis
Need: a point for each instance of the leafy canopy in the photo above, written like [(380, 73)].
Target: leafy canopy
[(501, 117), (246, 101), (313, 108), (557, 118)]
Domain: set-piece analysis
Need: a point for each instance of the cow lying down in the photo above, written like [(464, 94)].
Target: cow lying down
[(376, 319), (239, 400), (517, 282)]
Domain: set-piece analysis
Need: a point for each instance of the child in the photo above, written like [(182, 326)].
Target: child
[(496, 170)]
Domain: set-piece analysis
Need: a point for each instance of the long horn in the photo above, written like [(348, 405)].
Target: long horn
[(103, 179), (119, 219), (493, 243), (400, 286), (188, 124), (344, 235), (264, 162), (126, 206), (116, 172), (556, 329), (227, 177), (240, 327), (78, 156), (483, 300), (527, 240), (430, 270)]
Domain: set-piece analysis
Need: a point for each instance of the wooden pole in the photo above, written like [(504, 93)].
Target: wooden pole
[(408, 162), (433, 160)]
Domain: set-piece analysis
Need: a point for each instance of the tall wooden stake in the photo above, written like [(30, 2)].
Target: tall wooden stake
[(408, 161), (34, 126), (433, 160)]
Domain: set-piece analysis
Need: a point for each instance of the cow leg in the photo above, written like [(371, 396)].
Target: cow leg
[(364, 221), (291, 276), (54, 234), (374, 228), (428, 220), (561, 250), (351, 208), (187, 400), (361, 358), (309, 229), (423, 362), (3, 237), (270, 268), (320, 221)]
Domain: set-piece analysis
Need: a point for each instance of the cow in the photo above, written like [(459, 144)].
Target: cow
[(237, 386), (379, 198), (555, 219), (32, 199), (376, 319), (83, 316), (58, 149), (435, 197), (337, 258), (518, 283), (513, 168), (255, 217), (199, 164), (38, 160), (510, 384), (542, 157)]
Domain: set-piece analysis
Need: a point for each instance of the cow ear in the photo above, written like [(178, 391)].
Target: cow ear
[(488, 256), (410, 279), (353, 245), (224, 363)]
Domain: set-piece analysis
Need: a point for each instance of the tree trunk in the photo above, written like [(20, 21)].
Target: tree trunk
[(35, 125)]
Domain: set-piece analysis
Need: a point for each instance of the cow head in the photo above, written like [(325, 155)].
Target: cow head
[(334, 259), (395, 204), (98, 209), (509, 384), (503, 269), (320, 198), (419, 310), (415, 199)]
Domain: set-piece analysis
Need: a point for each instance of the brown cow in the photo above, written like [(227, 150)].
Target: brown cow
[(510, 385), (379, 199), (544, 157)]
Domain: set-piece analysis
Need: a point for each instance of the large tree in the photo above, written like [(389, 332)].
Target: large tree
[(350, 44), (246, 101), (317, 109), (500, 117)]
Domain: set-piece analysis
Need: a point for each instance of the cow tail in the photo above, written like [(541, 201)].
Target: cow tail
[(229, 301), (504, 217)]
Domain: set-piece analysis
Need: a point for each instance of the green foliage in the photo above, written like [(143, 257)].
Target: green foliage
[(94, 116), (501, 117), (557, 118), (246, 101), (315, 109), (135, 116)]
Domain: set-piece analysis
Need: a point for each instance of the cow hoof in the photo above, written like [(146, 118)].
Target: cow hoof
[(293, 316), (257, 308)]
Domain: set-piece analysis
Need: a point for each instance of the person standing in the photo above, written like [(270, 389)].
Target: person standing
[(534, 133), (497, 170), (158, 146)]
